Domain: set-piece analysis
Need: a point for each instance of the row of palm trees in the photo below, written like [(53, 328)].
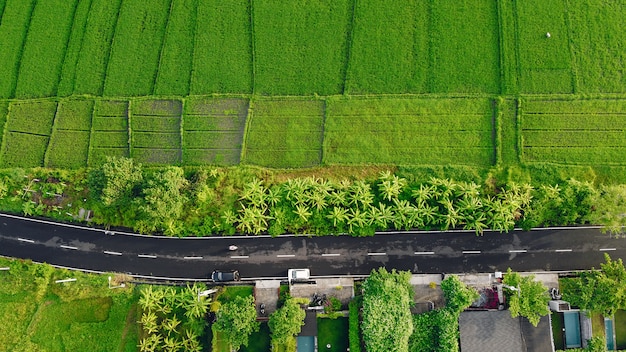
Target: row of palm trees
[(358, 207), (172, 319)]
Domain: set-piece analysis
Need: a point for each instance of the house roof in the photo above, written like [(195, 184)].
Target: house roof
[(485, 331)]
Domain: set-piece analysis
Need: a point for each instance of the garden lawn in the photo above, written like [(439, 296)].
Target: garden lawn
[(586, 132), (620, 329), (44, 51), (259, 341), (285, 133), (300, 46), (596, 31), (38, 314), (389, 48), (222, 56), (230, 292), (333, 332), (409, 131)]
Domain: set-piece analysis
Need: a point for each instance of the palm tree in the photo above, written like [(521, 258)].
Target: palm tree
[(358, 219), (391, 185), (337, 197), (318, 200), (476, 222), (170, 324), (229, 217), (171, 344), (445, 188), (294, 189), (423, 194), (149, 322), (190, 342), (196, 308), (360, 194), (338, 215), (254, 193), (405, 214), (253, 220), (381, 215), (303, 213), (149, 299), (274, 196), (28, 207), (150, 343)]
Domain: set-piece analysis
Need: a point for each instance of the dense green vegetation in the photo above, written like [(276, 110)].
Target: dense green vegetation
[(599, 291), (438, 330), (492, 93), (84, 315), (387, 298), (526, 297), (202, 201), (304, 48)]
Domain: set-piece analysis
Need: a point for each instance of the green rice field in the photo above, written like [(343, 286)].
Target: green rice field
[(409, 131), (308, 83)]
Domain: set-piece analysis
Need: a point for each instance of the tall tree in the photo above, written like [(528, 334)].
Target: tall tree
[(458, 296), (236, 320), (387, 299), (163, 198), (115, 179), (601, 291), (286, 322), (527, 297)]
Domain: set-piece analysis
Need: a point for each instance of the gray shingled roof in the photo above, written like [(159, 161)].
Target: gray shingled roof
[(486, 331)]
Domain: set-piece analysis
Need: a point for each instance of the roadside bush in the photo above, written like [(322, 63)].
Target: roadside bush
[(354, 333)]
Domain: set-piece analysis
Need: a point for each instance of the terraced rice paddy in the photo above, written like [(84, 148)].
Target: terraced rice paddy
[(306, 83)]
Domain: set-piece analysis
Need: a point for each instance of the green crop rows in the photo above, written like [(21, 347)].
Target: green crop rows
[(213, 130), (109, 136), (300, 46), (44, 51), (285, 133), (180, 47), (409, 131), (589, 132), (155, 131), (27, 132), (69, 142), (305, 83)]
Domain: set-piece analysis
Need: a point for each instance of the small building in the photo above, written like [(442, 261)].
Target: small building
[(492, 330)]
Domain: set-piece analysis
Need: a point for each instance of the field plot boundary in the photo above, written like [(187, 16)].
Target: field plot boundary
[(45, 42), (301, 124), (583, 131), (164, 140), (8, 83), (379, 134), (97, 153), (213, 130), (63, 151)]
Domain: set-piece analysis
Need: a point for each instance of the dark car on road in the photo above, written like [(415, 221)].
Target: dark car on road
[(223, 276)]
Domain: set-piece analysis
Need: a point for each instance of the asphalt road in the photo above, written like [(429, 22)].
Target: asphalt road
[(195, 258)]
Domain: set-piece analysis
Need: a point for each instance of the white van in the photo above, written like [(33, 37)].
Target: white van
[(295, 275)]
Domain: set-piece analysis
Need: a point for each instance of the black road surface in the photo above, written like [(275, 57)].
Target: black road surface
[(561, 249)]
